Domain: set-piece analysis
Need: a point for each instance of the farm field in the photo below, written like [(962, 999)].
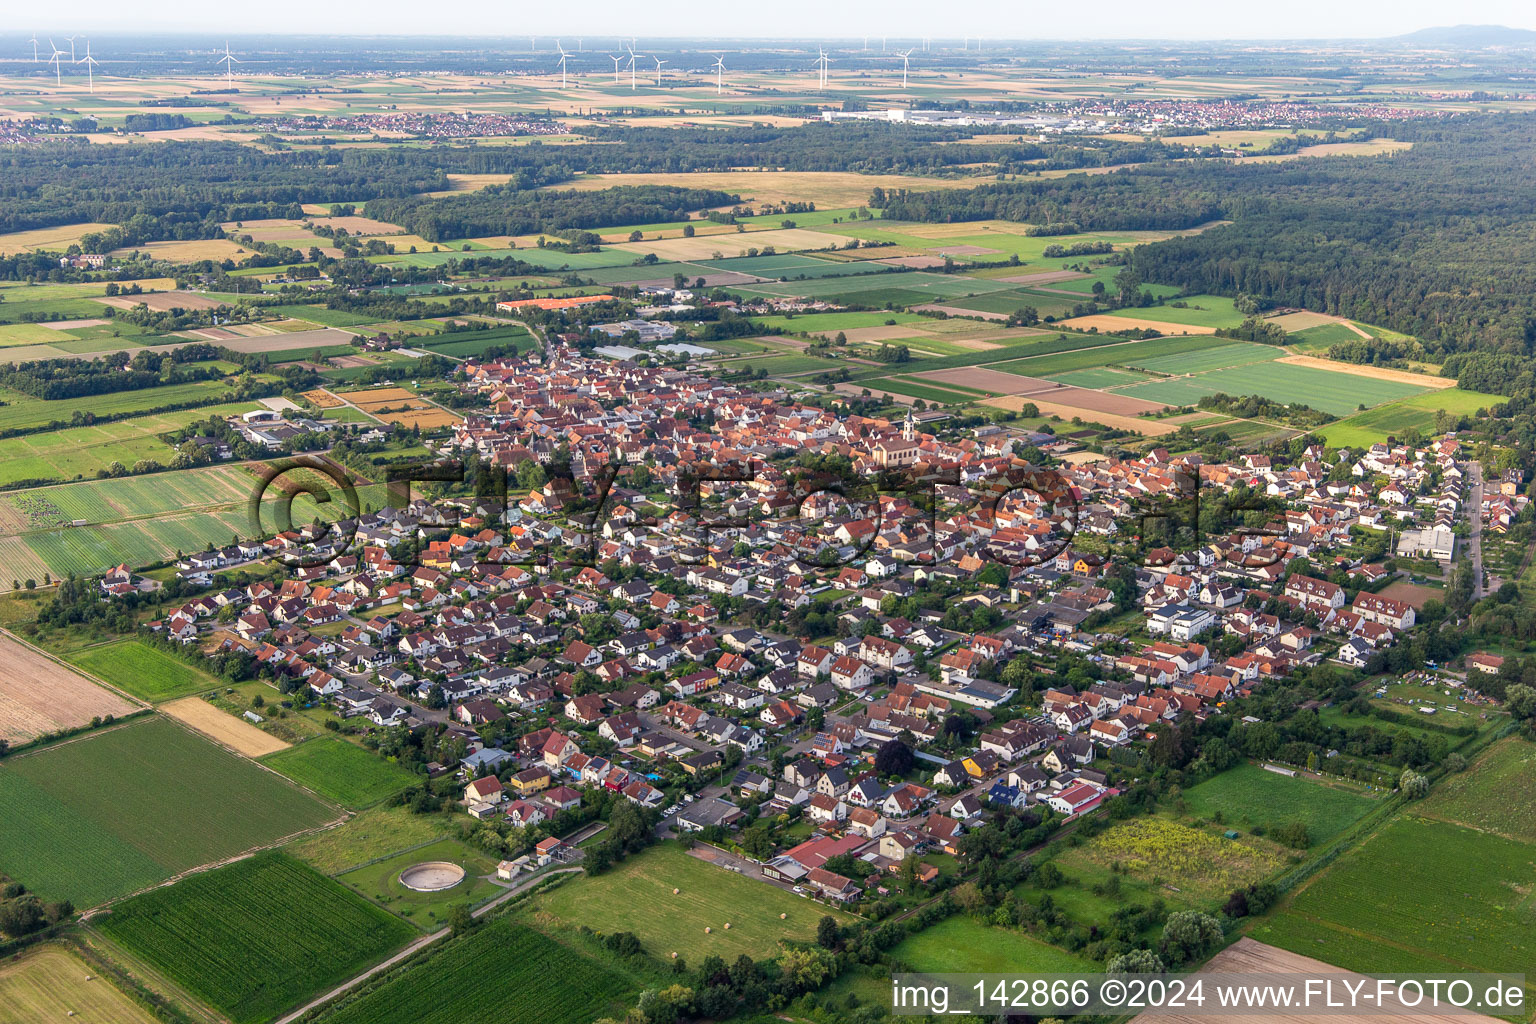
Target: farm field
[(25, 412), (103, 501), (341, 771), (39, 695), (427, 910), (924, 285), (256, 937), (142, 670), (81, 452), (636, 896), (1336, 393), (1220, 357), (1493, 795), (1248, 796), (1200, 310), (1079, 352), (48, 983), (118, 810), (1409, 898), (526, 976), (1416, 412), (927, 392), (831, 323), (223, 727), (88, 550)]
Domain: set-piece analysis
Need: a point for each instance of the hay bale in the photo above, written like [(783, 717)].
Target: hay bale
[(676, 891), (783, 916), (707, 929), (727, 926)]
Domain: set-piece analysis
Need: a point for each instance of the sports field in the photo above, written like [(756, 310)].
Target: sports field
[(142, 670), (121, 809), (527, 977), (1418, 895), (49, 983), (1249, 796), (341, 771), (256, 937), (636, 896)]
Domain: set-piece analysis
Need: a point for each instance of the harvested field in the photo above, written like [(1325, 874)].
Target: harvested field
[(322, 338), (222, 727), (378, 397), (734, 244), (1246, 956), (1423, 380), (161, 302), (1014, 403), (936, 307), (1107, 324), (1043, 277), (827, 189), (913, 262), (55, 239), (39, 695), (50, 983), (189, 251), (426, 419), (323, 398), (1293, 322), (69, 325), (365, 225), (352, 362), (998, 381)]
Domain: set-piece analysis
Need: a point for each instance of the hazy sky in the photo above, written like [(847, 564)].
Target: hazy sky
[(1105, 19)]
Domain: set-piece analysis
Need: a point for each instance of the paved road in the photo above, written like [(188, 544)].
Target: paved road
[(1475, 537), (425, 940)]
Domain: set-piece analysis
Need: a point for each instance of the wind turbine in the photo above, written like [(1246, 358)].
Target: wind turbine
[(562, 63), (90, 64), (58, 75), (229, 61), (632, 85), (659, 63), (719, 66), (33, 41), (71, 41), (823, 61), (906, 59), (616, 61)]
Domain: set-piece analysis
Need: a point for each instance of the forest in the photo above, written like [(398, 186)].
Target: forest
[(179, 190), (1434, 242), (507, 210)]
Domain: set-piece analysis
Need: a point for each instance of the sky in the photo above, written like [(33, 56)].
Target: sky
[(801, 19)]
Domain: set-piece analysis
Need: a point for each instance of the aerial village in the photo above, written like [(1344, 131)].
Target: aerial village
[(849, 678)]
